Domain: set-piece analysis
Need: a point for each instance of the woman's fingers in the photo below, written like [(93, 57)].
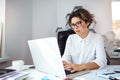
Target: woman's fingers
[(73, 67), (64, 62)]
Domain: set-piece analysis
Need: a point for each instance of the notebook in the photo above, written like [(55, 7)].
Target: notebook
[(46, 57)]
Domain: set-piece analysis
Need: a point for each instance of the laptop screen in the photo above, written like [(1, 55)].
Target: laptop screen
[(46, 56)]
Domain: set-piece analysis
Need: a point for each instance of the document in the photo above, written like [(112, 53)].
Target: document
[(5, 72), (111, 72), (15, 76)]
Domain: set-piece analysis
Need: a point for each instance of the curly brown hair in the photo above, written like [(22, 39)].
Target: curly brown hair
[(81, 13)]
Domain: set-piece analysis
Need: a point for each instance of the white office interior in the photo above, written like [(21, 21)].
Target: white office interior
[(25, 20)]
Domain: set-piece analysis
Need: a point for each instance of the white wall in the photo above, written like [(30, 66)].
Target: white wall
[(18, 29), (25, 21), (44, 18), (100, 8)]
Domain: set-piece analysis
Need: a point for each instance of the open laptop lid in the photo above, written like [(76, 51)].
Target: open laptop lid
[(46, 56)]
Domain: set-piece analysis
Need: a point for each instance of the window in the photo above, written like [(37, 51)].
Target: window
[(116, 22), (116, 18)]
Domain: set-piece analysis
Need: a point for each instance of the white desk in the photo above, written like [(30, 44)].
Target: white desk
[(36, 75)]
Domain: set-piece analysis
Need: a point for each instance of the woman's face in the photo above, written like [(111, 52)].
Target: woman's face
[(79, 26)]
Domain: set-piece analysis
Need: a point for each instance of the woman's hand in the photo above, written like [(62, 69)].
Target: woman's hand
[(73, 67), (76, 67), (65, 64)]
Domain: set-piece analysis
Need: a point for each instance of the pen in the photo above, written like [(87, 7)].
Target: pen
[(117, 71), (113, 78), (109, 73), (112, 73)]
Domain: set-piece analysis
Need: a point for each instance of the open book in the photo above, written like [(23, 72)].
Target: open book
[(113, 72)]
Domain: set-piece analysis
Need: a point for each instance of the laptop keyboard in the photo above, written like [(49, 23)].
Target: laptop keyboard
[(68, 72), (76, 74)]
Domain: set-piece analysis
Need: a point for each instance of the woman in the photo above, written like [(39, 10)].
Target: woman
[(84, 50)]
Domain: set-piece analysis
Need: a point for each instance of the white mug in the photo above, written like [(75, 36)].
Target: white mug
[(18, 65)]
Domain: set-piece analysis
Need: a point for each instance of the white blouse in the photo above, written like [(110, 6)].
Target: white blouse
[(89, 49)]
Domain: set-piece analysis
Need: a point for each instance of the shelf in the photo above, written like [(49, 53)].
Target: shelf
[(4, 59)]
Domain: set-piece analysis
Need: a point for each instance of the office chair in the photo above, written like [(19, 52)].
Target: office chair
[(62, 37)]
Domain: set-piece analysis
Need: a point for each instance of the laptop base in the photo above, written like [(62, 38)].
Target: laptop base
[(76, 74)]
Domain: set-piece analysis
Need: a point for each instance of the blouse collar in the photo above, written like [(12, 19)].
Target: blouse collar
[(86, 38)]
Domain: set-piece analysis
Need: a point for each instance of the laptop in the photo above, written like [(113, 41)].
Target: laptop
[(47, 59)]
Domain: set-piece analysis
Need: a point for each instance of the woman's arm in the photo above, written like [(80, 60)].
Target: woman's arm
[(100, 57), (81, 67)]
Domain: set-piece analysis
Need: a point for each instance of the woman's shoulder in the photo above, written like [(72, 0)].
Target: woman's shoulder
[(97, 35), (73, 36)]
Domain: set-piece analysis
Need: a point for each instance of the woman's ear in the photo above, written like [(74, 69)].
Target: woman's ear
[(88, 23)]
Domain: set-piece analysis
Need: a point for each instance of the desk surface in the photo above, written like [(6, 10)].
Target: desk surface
[(36, 75)]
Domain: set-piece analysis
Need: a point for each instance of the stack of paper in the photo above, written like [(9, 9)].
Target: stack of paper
[(5, 72), (109, 72), (15, 76)]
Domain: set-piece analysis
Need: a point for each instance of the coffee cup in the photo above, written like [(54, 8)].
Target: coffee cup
[(18, 65)]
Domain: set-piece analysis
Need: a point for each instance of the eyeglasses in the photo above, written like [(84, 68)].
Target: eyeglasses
[(77, 24)]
